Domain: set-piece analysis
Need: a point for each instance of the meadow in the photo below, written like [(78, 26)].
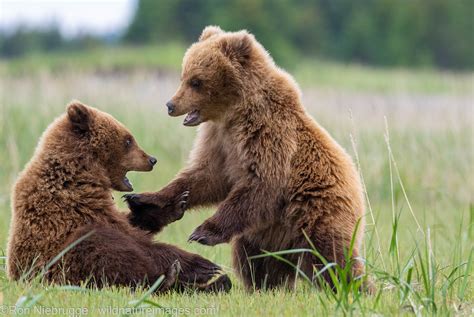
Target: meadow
[(410, 133)]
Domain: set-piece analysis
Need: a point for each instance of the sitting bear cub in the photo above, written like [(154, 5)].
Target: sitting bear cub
[(64, 198)]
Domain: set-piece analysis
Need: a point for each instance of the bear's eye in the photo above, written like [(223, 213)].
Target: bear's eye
[(128, 142), (195, 83)]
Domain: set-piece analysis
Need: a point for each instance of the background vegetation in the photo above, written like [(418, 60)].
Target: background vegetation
[(377, 32), (380, 32)]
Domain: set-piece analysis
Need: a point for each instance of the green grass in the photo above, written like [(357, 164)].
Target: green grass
[(99, 59), (365, 78), (417, 172), (309, 72)]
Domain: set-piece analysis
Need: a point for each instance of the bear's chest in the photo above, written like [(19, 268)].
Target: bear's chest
[(234, 162)]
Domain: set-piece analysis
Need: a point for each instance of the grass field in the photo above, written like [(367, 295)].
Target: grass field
[(417, 173), (309, 72)]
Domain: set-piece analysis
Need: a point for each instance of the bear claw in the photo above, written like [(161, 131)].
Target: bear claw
[(183, 200), (222, 284), (171, 275), (205, 237), (129, 197), (194, 237)]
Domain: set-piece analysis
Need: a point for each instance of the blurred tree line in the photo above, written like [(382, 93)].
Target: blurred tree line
[(25, 40), (380, 32)]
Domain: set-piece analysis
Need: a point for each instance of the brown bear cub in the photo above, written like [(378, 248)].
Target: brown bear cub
[(274, 172), (64, 198)]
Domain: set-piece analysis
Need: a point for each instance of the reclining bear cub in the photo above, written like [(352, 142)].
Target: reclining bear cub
[(63, 199)]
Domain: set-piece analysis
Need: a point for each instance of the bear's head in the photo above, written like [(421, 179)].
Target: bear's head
[(215, 75), (105, 143)]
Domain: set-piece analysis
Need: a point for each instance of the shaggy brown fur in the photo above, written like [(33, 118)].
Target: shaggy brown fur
[(65, 194), (272, 169)]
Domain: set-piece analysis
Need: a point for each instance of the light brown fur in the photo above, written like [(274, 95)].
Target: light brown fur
[(65, 193), (273, 171)]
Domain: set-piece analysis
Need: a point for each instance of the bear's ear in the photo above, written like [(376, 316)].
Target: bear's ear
[(238, 46), (210, 31), (79, 116)]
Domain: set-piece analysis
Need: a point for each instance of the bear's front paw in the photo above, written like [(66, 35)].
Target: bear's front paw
[(208, 234), (150, 213), (172, 210), (138, 203)]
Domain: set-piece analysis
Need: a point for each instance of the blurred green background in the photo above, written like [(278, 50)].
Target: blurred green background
[(376, 32)]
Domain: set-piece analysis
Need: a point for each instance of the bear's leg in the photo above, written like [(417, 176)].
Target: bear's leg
[(245, 267), (261, 273), (358, 271), (108, 257), (195, 271), (332, 249)]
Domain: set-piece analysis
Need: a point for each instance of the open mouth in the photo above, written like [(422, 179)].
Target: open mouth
[(127, 183), (193, 118)]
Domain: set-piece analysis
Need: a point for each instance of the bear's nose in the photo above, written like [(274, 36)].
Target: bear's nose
[(170, 106), (152, 160)]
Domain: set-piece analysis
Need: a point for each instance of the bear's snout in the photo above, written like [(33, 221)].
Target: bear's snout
[(152, 160), (171, 107)]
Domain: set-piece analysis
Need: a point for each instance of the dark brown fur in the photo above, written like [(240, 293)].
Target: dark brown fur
[(273, 171), (65, 194)]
